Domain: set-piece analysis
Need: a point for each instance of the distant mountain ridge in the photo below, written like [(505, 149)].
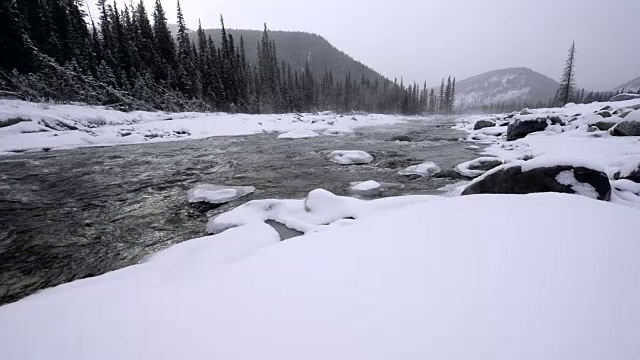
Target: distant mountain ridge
[(297, 48), (632, 86), (518, 85)]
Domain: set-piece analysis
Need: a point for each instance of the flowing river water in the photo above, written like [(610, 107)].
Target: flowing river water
[(71, 214)]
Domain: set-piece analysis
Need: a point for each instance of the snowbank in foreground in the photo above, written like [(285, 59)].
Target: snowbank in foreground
[(54, 126), (401, 284)]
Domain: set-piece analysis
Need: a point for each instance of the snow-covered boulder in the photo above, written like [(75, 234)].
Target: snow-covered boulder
[(365, 186), (218, 194), (480, 124), (350, 157), (371, 188), (534, 177), (626, 128), (477, 167), (520, 128), (623, 97), (428, 168), (298, 134), (630, 171)]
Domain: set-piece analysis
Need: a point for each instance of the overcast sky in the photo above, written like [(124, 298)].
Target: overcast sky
[(426, 40)]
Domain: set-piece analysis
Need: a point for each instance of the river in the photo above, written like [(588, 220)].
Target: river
[(71, 214)]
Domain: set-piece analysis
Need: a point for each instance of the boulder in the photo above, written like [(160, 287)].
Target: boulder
[(526, 111), (512, 179), (626, 128), (604, 114), (604, 125), (481, 124), (519, 128), (630, 171), (623, 97)]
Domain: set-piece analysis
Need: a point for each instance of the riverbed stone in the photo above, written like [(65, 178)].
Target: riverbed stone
[(513, 180)]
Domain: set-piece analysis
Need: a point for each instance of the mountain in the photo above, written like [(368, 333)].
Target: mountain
[(297, 48), (513, 85), (632, 86)]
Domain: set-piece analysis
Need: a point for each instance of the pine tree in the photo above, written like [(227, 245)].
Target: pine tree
[(13, 40), (567, 82), (165, 46)]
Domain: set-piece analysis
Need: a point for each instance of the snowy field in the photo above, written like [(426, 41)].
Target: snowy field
[(41, 126), (537, 276)]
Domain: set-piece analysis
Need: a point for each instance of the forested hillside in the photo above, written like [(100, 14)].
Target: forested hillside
[(127, 61), (298, 48)]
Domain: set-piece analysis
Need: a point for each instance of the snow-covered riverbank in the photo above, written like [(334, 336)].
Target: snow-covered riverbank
[(459, 278), (41, 126), (604, 137)]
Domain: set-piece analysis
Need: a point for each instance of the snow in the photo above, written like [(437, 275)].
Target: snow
[(428, 168), (350, 157), (401, 282), (366, 185), (318, 211), (298, 134), (568, 178), (218, 194), (55, 126)]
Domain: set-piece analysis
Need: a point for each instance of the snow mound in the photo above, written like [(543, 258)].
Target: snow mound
[(397, 285), (366, 185), (370, 188), (319, 210), (298, 134), (218, 194), (428, 168), (350, 157)]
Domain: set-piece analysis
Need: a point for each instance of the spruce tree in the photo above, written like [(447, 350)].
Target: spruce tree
[(567, 82)]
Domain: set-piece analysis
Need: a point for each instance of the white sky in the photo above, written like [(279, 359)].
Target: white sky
[(426, 40)]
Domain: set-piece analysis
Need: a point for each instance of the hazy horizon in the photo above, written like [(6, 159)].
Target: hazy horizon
[(424, 41)]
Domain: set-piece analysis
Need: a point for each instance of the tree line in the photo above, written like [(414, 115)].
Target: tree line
[(53, 52)]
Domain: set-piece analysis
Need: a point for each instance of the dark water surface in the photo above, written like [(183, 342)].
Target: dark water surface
[(66, 215)]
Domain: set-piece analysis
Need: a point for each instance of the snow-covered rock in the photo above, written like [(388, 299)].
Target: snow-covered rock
[(629, 171), (523, 126), (525, 177), (477, 167), (628, 127), (366, 185), (218, 194), (427, 168), (483, 124), (623, 97), (350, 157), (401, 283), (298, 134), (371, 188)]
